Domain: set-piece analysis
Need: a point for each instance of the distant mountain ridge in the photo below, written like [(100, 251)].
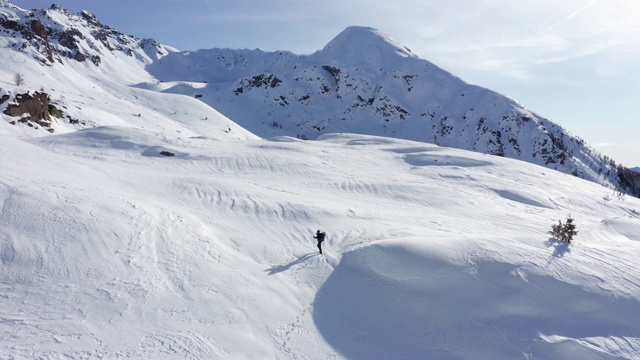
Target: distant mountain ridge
[(364, 82), (53, 34), (360, 82)]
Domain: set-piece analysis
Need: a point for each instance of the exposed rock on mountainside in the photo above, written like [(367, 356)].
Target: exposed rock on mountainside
[(86, 38), (32, 109)]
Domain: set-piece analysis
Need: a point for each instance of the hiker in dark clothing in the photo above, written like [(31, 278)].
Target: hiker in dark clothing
[(320, 236)]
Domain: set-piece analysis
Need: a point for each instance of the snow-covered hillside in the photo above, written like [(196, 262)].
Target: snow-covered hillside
[(364, 82), (87, 93), (138, 222), (110, 250), (361, 82)]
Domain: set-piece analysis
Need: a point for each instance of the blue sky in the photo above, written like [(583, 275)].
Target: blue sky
[(576, 62)]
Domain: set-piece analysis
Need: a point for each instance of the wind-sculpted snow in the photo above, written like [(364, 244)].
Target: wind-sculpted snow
[(625, 226), (109, 250), (442, 160), (404, 287), (528, 198)]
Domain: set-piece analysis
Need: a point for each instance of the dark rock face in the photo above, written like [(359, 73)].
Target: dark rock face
[(79, 56), (33, 109), (34, 32), (69, 38)]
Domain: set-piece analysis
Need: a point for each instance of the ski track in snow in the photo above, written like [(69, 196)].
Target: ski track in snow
[(108, 252)]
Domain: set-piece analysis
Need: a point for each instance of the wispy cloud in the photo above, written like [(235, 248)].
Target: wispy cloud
[(573, 14), (612, 26), (524, 40)]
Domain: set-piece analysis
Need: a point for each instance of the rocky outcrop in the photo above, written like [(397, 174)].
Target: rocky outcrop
[(34, 32), (33, 110), (48, 39)]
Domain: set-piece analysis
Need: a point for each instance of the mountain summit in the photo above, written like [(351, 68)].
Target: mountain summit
[(361, 44), (364, 82), (51, 35)]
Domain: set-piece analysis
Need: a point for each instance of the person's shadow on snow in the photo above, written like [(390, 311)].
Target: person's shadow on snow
[(281, 268), (559, 248)]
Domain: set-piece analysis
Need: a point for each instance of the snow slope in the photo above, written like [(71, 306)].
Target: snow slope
[(110, 250), (360, 82), (364, 82), (102, 101)]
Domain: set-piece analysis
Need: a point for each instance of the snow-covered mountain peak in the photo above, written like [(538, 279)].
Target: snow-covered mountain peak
[(8, 10), (359, 43), (7, 4), (60, 9), (53, 35)]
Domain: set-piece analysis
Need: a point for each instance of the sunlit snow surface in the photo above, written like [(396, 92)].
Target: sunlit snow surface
[(111, 250)]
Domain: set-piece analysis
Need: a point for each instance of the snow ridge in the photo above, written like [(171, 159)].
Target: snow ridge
[(51, 35)]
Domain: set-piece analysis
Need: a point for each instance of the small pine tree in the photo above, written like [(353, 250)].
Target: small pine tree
[(564, 232)]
